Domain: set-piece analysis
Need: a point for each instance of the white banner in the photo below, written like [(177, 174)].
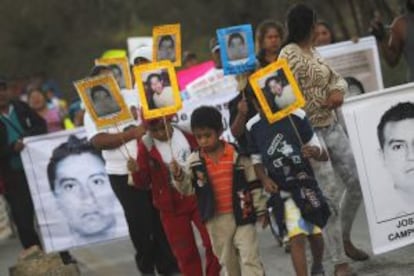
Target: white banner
[(357, 60), (77, 207), (381, 130)]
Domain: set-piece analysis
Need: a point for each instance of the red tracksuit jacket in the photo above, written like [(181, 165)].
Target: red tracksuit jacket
[(154, 174)]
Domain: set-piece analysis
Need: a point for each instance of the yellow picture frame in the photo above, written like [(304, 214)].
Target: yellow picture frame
[(142, 74), (120, 62), (170, 34), (256, 81), (85, 87)]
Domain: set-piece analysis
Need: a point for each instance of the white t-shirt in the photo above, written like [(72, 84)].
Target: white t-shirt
[(180, 148), (116, 159)]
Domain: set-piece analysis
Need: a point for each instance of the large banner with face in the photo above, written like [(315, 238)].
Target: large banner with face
[(381, 130), (358, 63), (73, 199)]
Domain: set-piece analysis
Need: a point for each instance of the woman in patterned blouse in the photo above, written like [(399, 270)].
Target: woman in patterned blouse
[(323, 90)]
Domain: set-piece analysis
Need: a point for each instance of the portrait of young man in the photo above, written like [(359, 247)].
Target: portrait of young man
[(82, 193), (236, 47), (395, 133), (103, 102), (166, 48), (118, 74)]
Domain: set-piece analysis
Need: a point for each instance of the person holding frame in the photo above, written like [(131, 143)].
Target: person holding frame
[(281, 151), (269, 35), (162, 145), (118, 145), (158, 149), (324, 90)]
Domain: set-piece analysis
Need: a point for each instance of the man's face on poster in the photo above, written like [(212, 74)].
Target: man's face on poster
[(84, 195), (104, 103), (117, 72), (237, 48), (166, 49), (398, 152)]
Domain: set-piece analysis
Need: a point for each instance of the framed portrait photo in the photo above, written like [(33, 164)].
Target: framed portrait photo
[(167, 43), (158, 89), (237, 54), (103, 101), (120, 69), (276, 90)]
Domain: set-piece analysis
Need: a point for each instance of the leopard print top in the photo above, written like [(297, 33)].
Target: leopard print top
[(316, 80)]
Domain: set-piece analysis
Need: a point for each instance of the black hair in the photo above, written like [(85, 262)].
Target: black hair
[(300, 21), (116, 67), (250, 95), (152, 75), (166, 38), (97, 89), (158, 76), (396, 113), (189, 56), (74, 146), (280, 78), (234, 36), (207, 117), (98, 69), (213, 43), (353, 81), (140, 60), (36, 89), (263, 28), (252, 98), (330, 29)]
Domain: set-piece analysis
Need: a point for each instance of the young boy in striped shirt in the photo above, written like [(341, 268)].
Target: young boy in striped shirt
[(223, 182)]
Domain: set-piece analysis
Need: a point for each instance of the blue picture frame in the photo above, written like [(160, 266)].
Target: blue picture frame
[(237, 49)]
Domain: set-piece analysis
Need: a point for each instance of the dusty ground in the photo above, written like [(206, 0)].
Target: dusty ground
[(117, 258)]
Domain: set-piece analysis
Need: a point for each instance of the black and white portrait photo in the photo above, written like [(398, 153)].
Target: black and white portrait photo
[(119, 67), (71, 191), (237, 46), (380, 126), (103, 102), (396, 138), (166, 48), (118, 74)]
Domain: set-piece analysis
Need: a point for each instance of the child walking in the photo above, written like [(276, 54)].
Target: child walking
[(162, 145), (280, 153), (221, 180)]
